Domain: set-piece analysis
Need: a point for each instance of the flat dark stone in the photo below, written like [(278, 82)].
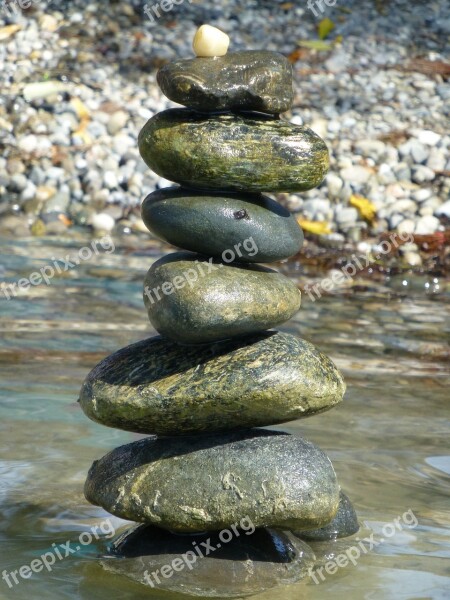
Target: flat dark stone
[(251, 562), (192, 300), (344, 524), (258, 80), (250, 153), (157, 386), (206, 483), (251, 227)]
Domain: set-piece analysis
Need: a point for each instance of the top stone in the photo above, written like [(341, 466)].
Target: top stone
[(254, 80)]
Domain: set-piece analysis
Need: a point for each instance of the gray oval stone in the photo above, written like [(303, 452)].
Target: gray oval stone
[(248, 562), (207, 483), (250, 153), (344, 524), (157, 386), (251, 227), (193, 300), (258, 80)]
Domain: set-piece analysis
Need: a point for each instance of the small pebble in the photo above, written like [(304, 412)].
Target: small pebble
[(103, 222), (413, 259), (210, 41), (427, 225)]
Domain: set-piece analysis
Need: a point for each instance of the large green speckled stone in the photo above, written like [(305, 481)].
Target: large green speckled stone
[(157, 386), (258, 80), (208, 483), (250, 153), (253, 227), (193, 300)]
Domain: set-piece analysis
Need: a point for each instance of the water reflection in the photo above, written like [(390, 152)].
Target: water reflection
[(203, 565)]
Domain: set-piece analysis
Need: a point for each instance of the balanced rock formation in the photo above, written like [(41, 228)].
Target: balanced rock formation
[(216, 373)]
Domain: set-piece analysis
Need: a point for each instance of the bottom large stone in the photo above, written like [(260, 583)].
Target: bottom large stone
[(209, 483), (210, 564)]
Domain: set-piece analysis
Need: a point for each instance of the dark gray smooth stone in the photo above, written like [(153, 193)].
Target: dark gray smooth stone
[(252, 561), (250, 227)]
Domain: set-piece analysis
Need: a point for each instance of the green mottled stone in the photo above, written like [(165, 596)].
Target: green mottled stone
[(208, 483), (253, 227), (250, 153), (251, 561), (193, 300), (258, 80), (344, 524), (157, 386)]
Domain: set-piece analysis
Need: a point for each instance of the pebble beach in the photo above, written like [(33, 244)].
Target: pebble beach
[(79, 82)]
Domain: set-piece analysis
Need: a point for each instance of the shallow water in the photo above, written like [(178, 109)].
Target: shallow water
[(388, 440)]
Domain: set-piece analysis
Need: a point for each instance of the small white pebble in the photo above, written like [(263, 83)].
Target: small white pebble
[(210, 41), (413, 259), (103, 222), (428, 137), (364, 247)]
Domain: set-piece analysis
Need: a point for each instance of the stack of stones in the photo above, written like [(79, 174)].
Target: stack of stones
[(216, 374)]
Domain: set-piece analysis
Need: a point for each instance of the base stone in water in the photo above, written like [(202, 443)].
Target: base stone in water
[(206, 564)]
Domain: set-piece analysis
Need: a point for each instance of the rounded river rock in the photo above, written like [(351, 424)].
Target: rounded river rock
[(233, 152), (250, 227), (228, 564), (192, 300), (207, 483), (257, 80), (160, 387)]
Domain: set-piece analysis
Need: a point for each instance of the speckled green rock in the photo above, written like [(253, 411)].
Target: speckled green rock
[(157, 386), (233, 152), (252, 561), (258, 80), (208, 483), (193, 300), (252, 227), (344, 524)]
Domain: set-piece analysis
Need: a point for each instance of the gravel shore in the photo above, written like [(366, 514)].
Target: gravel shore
[(78, 83)]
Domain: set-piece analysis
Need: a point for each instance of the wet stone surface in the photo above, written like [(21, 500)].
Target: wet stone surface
[(274, 479), (160, 387), (252, 227), (191, 299), (344, 524), (247, 80), (236, 563), (251, 153)]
